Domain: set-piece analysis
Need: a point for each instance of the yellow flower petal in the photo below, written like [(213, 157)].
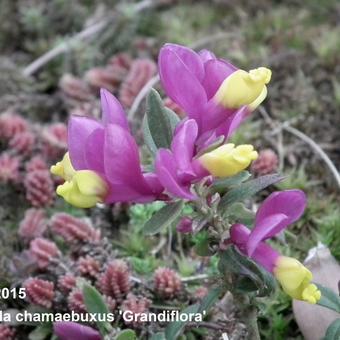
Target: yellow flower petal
[(295, 280), (244, 88), (84, 190), (228, 160), (63, 168)]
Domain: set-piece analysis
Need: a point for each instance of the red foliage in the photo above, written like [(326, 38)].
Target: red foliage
[(115, 281), (9, 168), (43, 251), (142, 70), (266, 163), (33, 225), (167, 283), (39, 188), (74, 229), (39, 292)]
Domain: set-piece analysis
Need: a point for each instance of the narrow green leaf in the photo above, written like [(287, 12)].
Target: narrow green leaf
[(148, 140), (232, 261), (329, 299), (158, 336), (248, 189), (158, 120), (94, 303), (173, 330), (126, 334), (223, 184), (163, 218), (41, 332), (239, 213), (333, 331), (209, 300), (173, 118)]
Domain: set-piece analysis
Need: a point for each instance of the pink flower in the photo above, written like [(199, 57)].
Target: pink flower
[(44, 251), (74, 88), (185, 225), (73, 229), (33, 225), (39, 292), (192, 80), (9, 168)]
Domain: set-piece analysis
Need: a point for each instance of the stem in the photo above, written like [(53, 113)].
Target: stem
[(248, 314), (250, 319)]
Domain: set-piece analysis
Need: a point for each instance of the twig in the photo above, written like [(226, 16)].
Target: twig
[(317, 149), (64, 47), (195, 278), (277, 128), (205, 324)]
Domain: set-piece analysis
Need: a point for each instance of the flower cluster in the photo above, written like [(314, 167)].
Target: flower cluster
[(103, 164)]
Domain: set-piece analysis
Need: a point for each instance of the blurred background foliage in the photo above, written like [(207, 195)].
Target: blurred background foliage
[(299, 40)]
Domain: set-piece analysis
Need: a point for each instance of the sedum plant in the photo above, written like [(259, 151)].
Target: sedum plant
[(193, 164)]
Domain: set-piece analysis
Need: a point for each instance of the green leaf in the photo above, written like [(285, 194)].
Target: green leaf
[(202, 242), (94, 303), (333, 331), (158, 121), (247, 189), (126, 334), (240, 213), (173, 117), (158, 336), (148, 140), (209, 300), (223, 184), (249, 276), (173, 330), (41, 332), (163, 218), (329, 299)]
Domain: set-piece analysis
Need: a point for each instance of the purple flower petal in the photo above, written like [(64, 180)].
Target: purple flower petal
[(94, 151), (124, 193), (216, 71), (79, 129), (183, 145), (264, 254), (72, 331), (206, 55), (181, 83), (121, 159), (291, 203), (167, 174), (113, 112), (264, 227), (190, 58)]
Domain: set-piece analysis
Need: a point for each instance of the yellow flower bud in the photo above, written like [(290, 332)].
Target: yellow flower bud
[(295, 280), (84, 190), (64, 168), (244, 88), (228, 160)]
